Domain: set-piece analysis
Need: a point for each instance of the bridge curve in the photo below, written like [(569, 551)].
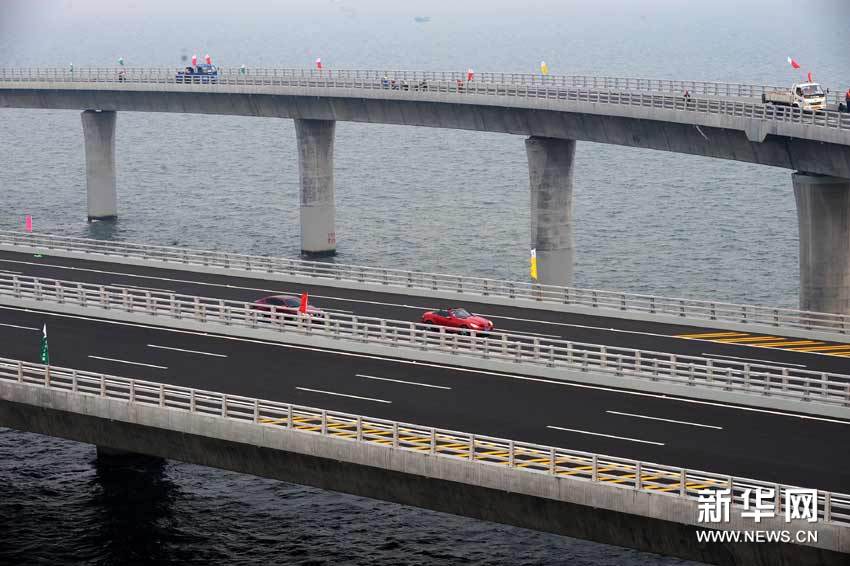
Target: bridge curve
[(715, 126), (553, 114)]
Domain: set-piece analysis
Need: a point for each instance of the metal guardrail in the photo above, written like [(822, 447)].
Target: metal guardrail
[(369, 80), (641, 365), (478, 289), (617, 473), (638, 84)]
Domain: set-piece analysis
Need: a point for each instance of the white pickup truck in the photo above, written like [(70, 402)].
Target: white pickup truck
[(806, 96)]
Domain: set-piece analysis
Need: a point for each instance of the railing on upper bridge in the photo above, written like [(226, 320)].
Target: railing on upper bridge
[(638, 84), (525, 457), (478, 288), (600, 90), (643, 365)]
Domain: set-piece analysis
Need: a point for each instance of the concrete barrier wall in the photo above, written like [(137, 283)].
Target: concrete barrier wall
[(803, 147), (648, 521), (318, 340)]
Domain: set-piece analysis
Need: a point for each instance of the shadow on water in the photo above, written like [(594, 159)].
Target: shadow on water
[(135, 500), (101, 230)]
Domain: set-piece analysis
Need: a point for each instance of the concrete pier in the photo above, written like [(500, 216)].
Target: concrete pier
[(316, 169), (823, 212), (550, 172), (99, 134)]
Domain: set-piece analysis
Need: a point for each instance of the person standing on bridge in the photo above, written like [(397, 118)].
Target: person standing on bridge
[(847, 101)]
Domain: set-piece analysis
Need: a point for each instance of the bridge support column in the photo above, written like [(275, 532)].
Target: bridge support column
[(550, 171), (316, 169), (823, 212), (99, 134)]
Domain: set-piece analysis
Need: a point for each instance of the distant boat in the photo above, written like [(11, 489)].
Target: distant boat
[(422, 19)]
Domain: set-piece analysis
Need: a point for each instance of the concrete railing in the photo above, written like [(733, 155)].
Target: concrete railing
[(371, 81), (617, 473), (642, 365), (479, 289), (637, 84)]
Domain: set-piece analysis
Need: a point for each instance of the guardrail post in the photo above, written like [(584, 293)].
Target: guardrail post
[(395, 435), (746, 376), (358, 430), (47, 376), (552, 463), (594, 473), (289, 422), (472, 447), (20, 372), (224, 405), (536, 348), (162, 395), (132, 392), (603, 357), (191, 400), (683, 488), (102, 385), (433, 441), (324, 422), (510, 453), (638, 476)]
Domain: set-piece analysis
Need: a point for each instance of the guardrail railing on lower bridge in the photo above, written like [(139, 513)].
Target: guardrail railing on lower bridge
[(618, 473), (640, 365), (477, 288)]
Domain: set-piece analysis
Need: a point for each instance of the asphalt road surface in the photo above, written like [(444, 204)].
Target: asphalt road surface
[(708, 342), (767, 445)]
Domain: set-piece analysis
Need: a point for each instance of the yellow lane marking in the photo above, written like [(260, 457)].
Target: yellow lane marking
[(786, 343), (712, 335), (748, 340), (820, 348)]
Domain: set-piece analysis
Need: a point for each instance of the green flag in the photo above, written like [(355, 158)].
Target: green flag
[(45, 357)]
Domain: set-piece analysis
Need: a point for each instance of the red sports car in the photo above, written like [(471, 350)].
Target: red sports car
[(286, 304), (457, 318)]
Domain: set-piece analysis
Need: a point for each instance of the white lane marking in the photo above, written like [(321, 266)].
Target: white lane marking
[(21, 327), (189, 351), (346, 299), (343, 395), (142, 288), (12, 272), (766, 362), (401, 381), (606, 435), (337, 310), (665, 420), (326, 297), (127, 362), (439, 366), (521, 332)]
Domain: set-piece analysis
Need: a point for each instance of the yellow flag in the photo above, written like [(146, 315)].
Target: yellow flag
[(544, 68), (534, 264)]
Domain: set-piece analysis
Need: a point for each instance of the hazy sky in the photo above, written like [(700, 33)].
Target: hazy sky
[(130, 8)]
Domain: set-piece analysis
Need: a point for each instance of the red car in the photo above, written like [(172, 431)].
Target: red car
[(457, 318), (286, 304)]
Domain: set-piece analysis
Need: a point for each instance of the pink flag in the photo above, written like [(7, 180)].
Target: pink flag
[(302, 308), (470, 74), (28, 223), (319, 63), (794, 64), (810, 76), (194, 60), (208, 59)]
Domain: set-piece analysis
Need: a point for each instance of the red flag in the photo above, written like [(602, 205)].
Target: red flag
[(302, 308), (319, 63), (194, 60), (208, 59), (470, 74), (28, 223), (810, 76), (793, 63)]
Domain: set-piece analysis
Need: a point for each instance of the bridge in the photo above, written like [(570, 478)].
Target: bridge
[(720, 120), (588, 413)]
